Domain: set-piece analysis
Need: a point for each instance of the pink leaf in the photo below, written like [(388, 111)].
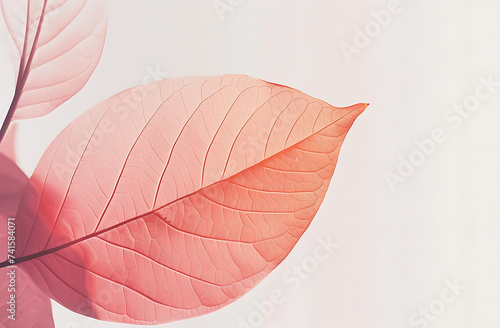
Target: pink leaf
[(173, 200), (32, 306), (58, 45), (14, 182)]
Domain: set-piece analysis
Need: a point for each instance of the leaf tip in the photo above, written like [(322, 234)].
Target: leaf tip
[(357, 109), (363, 106)]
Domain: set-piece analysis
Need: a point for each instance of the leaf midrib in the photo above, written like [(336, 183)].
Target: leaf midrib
[(76, 241)]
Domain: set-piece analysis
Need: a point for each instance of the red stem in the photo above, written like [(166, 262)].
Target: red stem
[(8, 118)]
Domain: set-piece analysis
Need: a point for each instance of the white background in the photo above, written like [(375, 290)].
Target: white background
[(396, 248)]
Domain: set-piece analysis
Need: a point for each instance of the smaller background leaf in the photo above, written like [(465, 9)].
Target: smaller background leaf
[(56, 53)]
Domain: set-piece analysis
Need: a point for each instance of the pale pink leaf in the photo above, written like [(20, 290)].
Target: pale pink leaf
[(173, 200), (58, 45)]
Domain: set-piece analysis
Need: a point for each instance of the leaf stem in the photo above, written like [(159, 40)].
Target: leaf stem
[(8, 118), (5, 264)]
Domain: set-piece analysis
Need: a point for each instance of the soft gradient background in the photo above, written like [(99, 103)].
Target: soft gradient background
[(396, 248)]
